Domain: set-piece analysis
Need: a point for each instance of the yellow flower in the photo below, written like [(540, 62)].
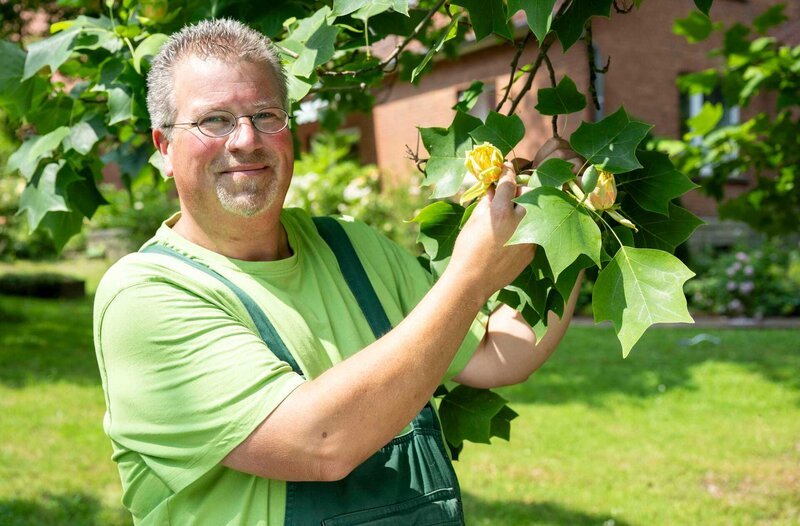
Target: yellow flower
[(605, 193), (485, 162)]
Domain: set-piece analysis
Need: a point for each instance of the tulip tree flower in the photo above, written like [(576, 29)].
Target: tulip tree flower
[(485, 162)]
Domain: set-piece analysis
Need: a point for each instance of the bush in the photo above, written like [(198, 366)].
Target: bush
[(329, 181), (135, 215), (42, 285), (753, 282)]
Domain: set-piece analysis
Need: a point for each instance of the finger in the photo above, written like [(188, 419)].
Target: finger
[(506, 186), (551, 145)]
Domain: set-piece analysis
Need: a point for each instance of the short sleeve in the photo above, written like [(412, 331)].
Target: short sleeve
[(185, 381)]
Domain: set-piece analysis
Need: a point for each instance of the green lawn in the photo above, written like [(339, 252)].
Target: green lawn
[(675, 434)]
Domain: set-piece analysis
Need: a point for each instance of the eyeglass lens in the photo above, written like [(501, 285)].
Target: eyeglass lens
[(220, 123)]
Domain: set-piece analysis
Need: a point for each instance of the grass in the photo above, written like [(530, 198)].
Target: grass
[(675, 434)]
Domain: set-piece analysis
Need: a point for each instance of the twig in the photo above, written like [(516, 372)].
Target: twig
[(414, 156), (553, 83), (514, 62), (593, 69), (397, 50), (548, 41)]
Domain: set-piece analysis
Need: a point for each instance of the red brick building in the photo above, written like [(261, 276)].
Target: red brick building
[(646, 60)]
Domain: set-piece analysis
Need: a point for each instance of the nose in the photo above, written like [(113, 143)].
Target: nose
[(244, 137)]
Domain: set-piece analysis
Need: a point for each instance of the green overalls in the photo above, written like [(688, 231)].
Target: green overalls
[(409, 481)]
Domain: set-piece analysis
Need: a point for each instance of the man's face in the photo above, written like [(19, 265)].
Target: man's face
[(244, 173)]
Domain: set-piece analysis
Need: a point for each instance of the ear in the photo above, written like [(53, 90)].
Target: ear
[(164, 146)]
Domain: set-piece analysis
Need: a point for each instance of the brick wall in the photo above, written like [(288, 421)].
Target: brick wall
[(646, 60)]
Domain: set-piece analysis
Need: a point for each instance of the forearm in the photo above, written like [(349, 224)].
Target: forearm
[(510, 352), (329, 425)]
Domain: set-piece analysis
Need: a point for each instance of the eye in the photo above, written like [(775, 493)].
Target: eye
[(268, 115)]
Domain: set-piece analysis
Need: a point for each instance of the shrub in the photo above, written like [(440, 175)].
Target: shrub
[(329, 181), (754, 282), (42, 285)]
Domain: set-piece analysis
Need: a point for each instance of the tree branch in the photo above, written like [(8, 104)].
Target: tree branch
[(548, 41), (397, 50), (552, 73), (593, 69), (514, 62)]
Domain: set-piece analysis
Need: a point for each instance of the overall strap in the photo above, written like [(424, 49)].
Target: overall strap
[(354, 274), (265, 328)]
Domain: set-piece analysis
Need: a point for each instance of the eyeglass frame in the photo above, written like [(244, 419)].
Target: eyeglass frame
[(236, 118)]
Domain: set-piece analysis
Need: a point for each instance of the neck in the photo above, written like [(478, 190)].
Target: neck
[(258, 238)]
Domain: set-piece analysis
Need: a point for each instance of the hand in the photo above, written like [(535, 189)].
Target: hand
[(558, 148), (480, 256)]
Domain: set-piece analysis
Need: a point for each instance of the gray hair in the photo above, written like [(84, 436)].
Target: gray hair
[(221, 38)]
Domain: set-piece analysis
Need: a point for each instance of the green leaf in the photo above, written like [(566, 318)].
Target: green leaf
[(539, 14), (566, 280), (696, 27), (84, 135), (467, 413), (52, 51), (447, 149), (638, 288), (699, 82), (560, 225), (312, 41), (62, 226), (439, 224), (703, 5), (611, 143), (500, 130), (449, 32), (501, 423), (656, 184), (43, 195), (706, 119), (553, 172), (528, 290), (569, 26), (15, 94), (376, 7), (148, 47), (487, 17), (564, 98), (660, 231), (28, 155), (468, 97), (120, 104), (345, 7), (770, 18)]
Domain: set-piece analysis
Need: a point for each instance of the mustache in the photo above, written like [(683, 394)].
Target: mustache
[(227, 162)]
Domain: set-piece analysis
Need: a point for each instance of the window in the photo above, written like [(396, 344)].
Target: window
[(691, 104)]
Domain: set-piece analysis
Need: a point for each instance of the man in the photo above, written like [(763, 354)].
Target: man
[(245, 380)]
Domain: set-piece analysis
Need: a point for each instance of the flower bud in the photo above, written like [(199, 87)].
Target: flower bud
[(485, 162), (605, 193)]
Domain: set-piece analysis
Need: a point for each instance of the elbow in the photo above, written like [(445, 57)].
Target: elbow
[(334, 461)]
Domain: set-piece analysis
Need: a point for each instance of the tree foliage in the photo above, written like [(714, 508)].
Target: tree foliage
[(756, 69), (80, 97)]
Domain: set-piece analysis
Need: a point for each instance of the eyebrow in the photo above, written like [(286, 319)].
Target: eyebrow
[(262, 103)]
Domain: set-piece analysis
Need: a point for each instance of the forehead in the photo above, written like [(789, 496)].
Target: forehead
[(203, 84)]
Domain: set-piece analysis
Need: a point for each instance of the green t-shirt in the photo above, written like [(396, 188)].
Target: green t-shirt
[(187, 378)]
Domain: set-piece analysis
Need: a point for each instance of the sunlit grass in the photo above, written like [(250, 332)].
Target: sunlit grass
[(675, 434)]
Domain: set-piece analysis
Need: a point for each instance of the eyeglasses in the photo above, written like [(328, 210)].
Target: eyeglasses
[(219, 123)]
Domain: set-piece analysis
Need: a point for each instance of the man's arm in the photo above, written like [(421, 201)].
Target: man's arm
[(329, 425), (509, 352)]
